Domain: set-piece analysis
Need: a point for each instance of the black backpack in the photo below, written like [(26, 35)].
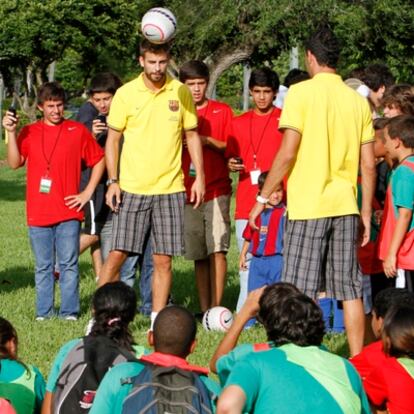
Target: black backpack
[(158, 389), (83, 370)]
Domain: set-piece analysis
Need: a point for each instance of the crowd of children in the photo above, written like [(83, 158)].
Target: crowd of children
[(106, 372)]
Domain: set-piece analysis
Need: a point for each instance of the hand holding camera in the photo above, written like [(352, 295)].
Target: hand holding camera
[(99, 125), (235, 164)]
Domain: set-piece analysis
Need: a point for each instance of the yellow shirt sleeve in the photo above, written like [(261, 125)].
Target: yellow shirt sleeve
[(368, 133), (189, 113), (117, 118), (292, 114)]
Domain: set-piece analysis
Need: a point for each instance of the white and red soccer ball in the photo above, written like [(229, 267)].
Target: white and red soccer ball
[(218, 318), (158, 25)]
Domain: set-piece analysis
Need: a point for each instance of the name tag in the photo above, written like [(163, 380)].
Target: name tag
[(45, 185), (254, 176)]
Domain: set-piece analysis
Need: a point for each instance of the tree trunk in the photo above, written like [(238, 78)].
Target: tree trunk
[(224, 60)]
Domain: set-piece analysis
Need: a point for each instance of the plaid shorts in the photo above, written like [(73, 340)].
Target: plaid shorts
[(161, 215), (320, 256)]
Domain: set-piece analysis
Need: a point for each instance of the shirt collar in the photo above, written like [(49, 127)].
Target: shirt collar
[(143, 88)]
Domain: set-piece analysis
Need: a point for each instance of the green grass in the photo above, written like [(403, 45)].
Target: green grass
[(39, 341)]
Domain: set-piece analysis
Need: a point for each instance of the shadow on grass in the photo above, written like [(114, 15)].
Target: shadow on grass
[(12, 190), (16, 278)]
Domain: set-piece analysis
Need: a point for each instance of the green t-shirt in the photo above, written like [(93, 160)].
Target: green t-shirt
[(25, 390), (292, 379), (112, 391)]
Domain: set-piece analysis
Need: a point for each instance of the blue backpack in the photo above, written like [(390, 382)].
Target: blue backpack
[(158, 389)]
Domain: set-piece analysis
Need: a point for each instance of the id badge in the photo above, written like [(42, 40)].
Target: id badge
[(45, 185), (192, 170), (254, 176)]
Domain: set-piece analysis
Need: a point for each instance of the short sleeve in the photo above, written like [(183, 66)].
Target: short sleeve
[(246, 376), (228, 116), (117, 118), (368, 133), (40, 386), (376, 387), (403, 187), (92, 153), (226, 363), (23, 142), (57, 364), (189, 113), (233, 146), (247, 232), (292, 115)]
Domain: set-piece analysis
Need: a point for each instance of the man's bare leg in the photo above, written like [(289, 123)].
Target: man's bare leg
[(87, 240), (354, 319), (97, 261), (202, 274), (218, 273), (111, 267), (92, 241), (161, 281)]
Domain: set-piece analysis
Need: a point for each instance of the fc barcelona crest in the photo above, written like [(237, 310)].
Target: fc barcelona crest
[(173, 105)]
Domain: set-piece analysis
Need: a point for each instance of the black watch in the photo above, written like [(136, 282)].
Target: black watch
[(110, 181)]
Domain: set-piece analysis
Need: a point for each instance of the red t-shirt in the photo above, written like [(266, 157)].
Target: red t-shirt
[(65, 146), (214, 121), (369, 358), (391, 384), (253, 134)]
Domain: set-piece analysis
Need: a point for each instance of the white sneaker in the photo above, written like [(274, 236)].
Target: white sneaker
[(40, 318), (70, 318)]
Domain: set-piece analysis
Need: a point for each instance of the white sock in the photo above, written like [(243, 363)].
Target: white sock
[(153, 316)]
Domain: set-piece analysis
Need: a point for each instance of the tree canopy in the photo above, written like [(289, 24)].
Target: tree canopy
[(87, 37)]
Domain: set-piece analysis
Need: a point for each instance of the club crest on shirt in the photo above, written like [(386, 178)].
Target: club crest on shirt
[(174, 105)]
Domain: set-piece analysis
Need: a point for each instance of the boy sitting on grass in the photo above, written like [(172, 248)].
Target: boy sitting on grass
[(373, 354), (173, 339), (291, 373)]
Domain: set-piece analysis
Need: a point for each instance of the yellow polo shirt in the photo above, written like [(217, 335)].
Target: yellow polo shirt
[(152, 124), (334, 121)]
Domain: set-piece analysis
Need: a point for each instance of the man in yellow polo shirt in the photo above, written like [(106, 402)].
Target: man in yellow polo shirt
[(328, 135), (154, 113)]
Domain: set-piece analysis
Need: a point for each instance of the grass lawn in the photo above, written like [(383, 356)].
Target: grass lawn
[(39, 341)]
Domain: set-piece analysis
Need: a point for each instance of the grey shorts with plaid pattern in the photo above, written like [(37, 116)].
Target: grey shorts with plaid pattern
[(162, 215), (320, 255)]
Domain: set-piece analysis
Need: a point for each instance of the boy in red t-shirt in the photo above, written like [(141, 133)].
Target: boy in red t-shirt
[(373, 354), (253, 143), (207, 228), (390, 384), (53, 149)]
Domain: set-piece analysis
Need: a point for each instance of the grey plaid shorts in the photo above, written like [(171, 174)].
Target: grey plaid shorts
[(319, 255), (162, 215)]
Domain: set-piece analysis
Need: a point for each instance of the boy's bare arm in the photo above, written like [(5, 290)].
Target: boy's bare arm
[(243, 254), (14, 158), (368, 178), (401, 229), (79, 200), (249, 310)]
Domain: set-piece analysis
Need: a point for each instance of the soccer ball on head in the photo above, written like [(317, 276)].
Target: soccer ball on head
[(158, 25), (218, 318)]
